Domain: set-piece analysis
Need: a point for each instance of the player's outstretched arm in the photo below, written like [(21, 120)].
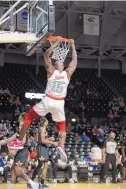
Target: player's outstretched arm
[(47, 60), (72, 66), (6, 141), (44, 140)]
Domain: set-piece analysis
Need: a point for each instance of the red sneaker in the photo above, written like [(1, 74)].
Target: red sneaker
[(16, 145)]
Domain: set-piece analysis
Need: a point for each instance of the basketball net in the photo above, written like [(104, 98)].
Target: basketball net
[(61, 51)]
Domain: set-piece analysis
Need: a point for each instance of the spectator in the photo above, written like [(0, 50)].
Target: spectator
[(124, 160), (121, 103), (3, 130), (7, 168), (65, 167), (11, 100), (77, 137), (96, 154), (1, 92), (84, 138), (111, 115), (2, 162), (17, 101), (6, 91)]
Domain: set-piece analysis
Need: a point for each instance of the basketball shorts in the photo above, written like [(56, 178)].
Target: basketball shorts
[(55, 107), (42, 152), (21, 157)]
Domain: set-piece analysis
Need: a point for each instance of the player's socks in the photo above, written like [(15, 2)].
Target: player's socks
[(32, 185), (62, 146), (42, 183)]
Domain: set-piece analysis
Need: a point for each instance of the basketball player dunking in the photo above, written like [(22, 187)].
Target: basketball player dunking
[(53, 102)]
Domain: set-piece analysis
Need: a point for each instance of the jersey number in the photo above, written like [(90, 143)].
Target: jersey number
[(57, 87)]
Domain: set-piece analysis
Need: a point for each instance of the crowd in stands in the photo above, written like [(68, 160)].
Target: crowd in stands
[(88, 96), (79, 143), (117, 108)]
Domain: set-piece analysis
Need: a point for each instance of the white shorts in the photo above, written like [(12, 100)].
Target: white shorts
[(55, 107)]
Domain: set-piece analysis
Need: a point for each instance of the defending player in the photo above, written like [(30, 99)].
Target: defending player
[(20, 159), (8, 140), (53, 102), (42, 150)]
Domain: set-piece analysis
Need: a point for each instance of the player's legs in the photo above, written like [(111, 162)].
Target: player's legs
[(27, 122), (13, 175), (40, 109), (62, 138), (37, 170), (43, 154), (44, 173), (18, 144), (18, 171), (43, 158), (58, 116), (62, 132), (19, 160)]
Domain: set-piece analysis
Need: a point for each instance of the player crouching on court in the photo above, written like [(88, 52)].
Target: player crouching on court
[(42, 150), (20, 157), (56, 91)]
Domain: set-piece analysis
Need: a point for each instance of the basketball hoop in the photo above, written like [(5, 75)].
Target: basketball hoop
[(61, 51)]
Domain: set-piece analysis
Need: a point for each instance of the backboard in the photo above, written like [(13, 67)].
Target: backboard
[(41, 21)]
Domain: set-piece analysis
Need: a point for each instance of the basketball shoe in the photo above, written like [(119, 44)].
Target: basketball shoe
[(61, 151), (16, 145)]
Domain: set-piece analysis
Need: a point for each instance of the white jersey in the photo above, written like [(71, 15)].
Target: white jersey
[(57, 84)]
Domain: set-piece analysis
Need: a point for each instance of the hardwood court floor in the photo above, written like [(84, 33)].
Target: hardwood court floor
[(69, 186)]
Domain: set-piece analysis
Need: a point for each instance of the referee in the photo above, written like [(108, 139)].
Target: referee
[(110, 152)]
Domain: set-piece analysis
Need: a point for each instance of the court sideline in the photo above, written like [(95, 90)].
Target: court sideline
[(69, 186)]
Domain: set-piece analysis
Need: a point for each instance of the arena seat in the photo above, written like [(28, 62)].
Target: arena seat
[(88, 92)]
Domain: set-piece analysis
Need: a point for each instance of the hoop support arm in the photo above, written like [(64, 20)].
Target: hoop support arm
[(17, 11), (9, 11)]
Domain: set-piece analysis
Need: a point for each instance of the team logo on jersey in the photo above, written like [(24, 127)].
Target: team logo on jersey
[(59, 77)]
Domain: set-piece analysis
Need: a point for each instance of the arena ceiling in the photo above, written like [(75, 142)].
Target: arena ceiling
[(111, 43)]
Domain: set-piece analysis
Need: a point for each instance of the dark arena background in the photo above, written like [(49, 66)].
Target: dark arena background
[(95, 105)]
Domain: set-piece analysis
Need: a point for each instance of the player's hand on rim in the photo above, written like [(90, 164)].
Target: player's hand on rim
[(59, 39), (72, 42)]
